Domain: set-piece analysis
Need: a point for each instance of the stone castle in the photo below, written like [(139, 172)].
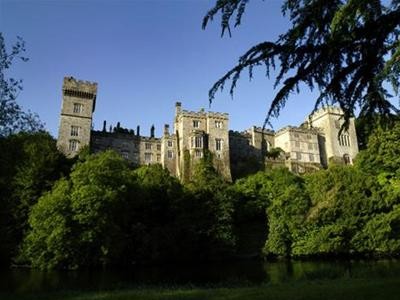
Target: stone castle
[(308, 147)]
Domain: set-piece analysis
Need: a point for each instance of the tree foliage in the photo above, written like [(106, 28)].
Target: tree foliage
[(348, 49), (12, 118), (29, 165)]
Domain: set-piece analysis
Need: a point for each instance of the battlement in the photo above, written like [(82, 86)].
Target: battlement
[(325, 110), (297, 129), (87, 89), (203, 114), (261, 130)]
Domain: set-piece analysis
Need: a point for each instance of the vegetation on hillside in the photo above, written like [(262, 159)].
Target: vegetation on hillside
[(98, 210)]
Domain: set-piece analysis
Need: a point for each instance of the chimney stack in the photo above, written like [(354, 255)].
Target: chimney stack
[(166, 129)]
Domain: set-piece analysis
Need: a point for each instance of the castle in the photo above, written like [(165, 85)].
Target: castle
[(308, 147)]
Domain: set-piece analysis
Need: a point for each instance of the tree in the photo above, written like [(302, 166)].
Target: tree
[(29, 165), (12, 118), (348, 49)]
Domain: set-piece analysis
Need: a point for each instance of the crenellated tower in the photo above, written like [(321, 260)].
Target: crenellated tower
[(78, 104)]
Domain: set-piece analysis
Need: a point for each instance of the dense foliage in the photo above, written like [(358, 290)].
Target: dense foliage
[(29, 165), (347, 49), (103, 212)]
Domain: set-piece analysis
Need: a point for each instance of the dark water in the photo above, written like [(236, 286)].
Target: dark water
[(212, 274)]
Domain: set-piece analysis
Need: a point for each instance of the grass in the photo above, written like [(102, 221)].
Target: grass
[(355, 289)]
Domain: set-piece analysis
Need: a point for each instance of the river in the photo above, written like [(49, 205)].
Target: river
[(211, 274)]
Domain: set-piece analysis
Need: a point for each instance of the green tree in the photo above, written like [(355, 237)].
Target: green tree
[(12, 118), (29, 165), (206, 213), (343, 199), (348, 49), (286, 212), (82, 222), (153, 214)]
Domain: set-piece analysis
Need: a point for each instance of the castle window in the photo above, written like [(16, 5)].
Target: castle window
[(158, 147), (170, 154), (344, 140), (346, 159), (197, 142), (296, 135), (148, 157), (77, 108), (147, 146), (169, 143), (218, 144), (297, 144), (74, 130), (309, 137), (158, 157), (310, 146), (218, 124), (298, 155), (125, 154), (198, 153), (73, 145), (311, 157), (196, 123)]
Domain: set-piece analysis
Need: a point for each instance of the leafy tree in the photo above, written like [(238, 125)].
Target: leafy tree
[(29, 165), (52, 241), (81, 221), (343, 199), (348, 49), (206, 213), (12, 118), (153, 214), (383, 152), (286, 212)]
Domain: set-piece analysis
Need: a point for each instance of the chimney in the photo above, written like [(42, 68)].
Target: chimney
[(178, 107), (166, 129), (152, 131), (104, 125), (138, 130)]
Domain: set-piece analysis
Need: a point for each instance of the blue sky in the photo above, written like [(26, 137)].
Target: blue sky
[(145, 56)]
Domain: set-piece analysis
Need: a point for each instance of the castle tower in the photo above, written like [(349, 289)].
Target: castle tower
[(78, 104), (197, 132), (335, 148)]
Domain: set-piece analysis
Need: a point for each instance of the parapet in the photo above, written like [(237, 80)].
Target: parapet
[(325, 110), (75, 85), (297, 129)]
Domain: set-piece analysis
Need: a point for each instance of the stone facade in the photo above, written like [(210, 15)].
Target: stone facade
[(306, 148), (334, 147), (79, 100)]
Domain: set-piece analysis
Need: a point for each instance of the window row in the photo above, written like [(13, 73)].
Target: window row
[(302, 156), (149, 146), (78, 108), (73, 145), (217, 124), (309, 146), (75, 130), (344, 140), (148, 157)]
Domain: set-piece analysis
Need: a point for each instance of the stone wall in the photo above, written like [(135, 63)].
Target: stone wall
[(330, 120), (78, 104)]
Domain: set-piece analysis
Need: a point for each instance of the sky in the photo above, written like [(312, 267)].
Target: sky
[(145, 55)]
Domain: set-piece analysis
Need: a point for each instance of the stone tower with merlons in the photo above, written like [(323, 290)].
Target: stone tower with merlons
[(78, 104)]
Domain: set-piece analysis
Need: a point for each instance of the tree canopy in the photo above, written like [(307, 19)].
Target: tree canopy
[(348, 49)]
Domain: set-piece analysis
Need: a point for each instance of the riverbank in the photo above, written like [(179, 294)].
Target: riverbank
[(380, 288)]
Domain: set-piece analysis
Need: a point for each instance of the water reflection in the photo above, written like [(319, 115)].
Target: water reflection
[(226, 274)]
